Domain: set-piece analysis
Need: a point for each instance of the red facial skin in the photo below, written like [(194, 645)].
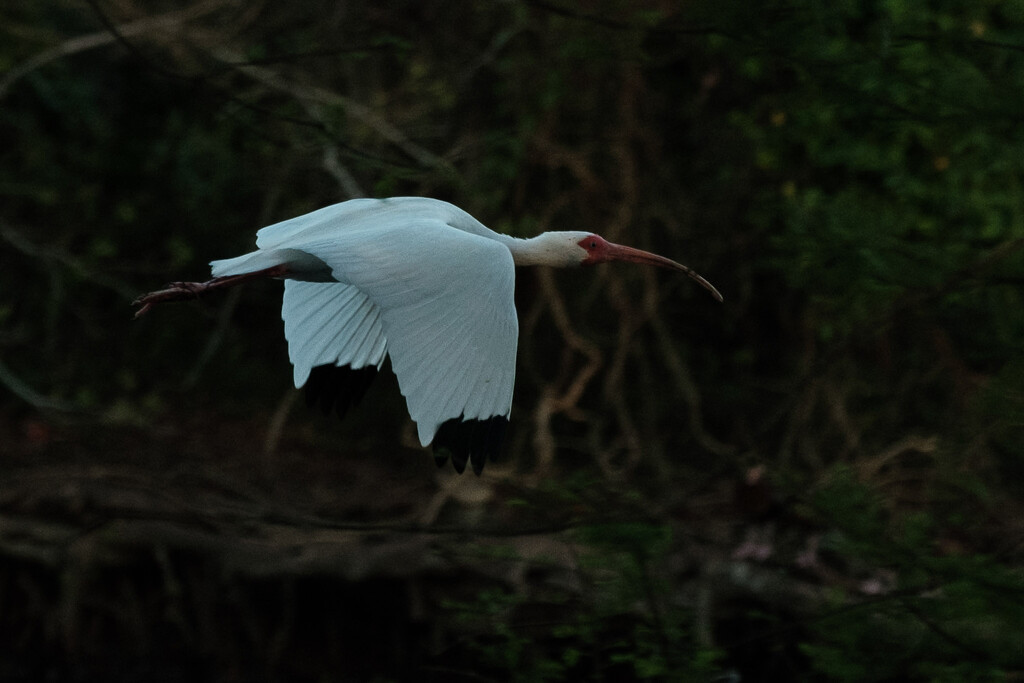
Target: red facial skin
[(599, 250)]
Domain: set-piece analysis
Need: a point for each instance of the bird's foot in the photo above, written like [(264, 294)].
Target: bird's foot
[(174, 291), (177, 291)]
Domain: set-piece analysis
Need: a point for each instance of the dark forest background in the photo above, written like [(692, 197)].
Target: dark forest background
[(820, 479)]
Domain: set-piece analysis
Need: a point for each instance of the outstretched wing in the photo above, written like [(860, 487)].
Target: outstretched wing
[(335, 342), (447, 311), (329, 323)]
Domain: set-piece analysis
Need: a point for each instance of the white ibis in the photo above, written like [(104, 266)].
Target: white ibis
[(416, 279)]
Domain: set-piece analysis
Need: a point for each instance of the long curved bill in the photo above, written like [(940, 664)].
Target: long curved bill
[(618, 252)]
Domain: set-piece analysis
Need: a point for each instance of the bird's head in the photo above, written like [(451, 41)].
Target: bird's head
[(565, 249), (596, 249)]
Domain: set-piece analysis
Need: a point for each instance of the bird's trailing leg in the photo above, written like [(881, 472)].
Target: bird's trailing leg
[(177, 291)]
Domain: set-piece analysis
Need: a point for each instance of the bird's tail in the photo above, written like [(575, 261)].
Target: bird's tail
[(246, 263), (301, 266)]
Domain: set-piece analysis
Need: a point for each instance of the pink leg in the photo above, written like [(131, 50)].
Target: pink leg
[(176, 291)]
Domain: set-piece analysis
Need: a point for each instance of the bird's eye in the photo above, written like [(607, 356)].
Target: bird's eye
[(593, 244)]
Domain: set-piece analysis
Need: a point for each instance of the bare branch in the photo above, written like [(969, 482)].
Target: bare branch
[(311, 96), (17, 240), (22, 390), (157, 24)]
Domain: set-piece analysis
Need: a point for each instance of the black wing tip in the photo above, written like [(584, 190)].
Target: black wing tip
[(472, 442), (338, 387)]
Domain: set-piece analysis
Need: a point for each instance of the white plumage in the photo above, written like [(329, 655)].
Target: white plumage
[(438, 300), (421, 281)]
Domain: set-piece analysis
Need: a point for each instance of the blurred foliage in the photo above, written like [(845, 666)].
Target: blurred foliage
[(849, 174), (629, 628), (951, 615)]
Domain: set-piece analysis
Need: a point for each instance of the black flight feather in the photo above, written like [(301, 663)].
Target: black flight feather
[(338, 387), (472, 442), (469, 441)]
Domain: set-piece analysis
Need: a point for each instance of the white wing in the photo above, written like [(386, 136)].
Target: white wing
[(447, 311), (363, 214), (329, 323)]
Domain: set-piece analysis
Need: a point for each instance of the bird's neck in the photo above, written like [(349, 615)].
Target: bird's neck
[(547, 249)]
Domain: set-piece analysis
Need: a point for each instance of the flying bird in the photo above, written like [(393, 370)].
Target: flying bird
[(416, 279)]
